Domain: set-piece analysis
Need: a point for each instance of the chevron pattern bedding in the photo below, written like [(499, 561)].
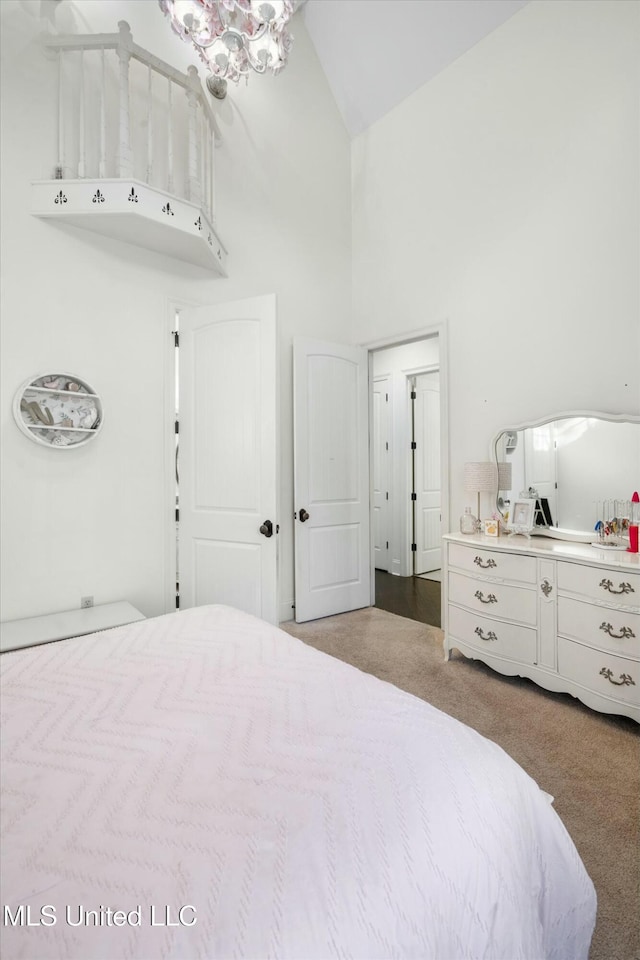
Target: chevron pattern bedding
[(202, 786)]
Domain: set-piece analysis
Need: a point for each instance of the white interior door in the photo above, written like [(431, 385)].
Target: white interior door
[(540, 468), (427, 472), (380, 440), (331, 479), (228, 456)]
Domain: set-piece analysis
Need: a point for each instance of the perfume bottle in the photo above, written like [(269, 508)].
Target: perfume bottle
[(468, 523)]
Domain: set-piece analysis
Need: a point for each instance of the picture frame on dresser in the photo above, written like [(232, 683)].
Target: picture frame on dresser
[(521, 516)]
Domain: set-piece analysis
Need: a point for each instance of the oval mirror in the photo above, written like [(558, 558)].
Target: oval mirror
[(571, 464)]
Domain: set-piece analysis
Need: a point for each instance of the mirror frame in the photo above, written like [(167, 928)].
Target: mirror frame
[(558, 532)]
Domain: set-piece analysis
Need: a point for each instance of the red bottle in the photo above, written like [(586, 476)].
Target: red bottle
[(633, 527)]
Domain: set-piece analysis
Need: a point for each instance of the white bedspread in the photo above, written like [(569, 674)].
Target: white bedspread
[(292, 806)]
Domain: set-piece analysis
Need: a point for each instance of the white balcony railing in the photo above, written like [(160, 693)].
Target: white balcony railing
[(123, 113)]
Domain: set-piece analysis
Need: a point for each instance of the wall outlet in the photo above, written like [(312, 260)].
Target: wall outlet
[(86, 602)]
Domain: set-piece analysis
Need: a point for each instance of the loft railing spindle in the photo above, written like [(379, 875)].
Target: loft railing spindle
[(169, 135), (150, 125), (209, 165), (193, 184), (202, 165), (81, 123), (60, 126), (102, 162), (212, 173), (125, 163), (204, 127)]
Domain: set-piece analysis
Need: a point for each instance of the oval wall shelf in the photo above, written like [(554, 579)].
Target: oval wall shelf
[(58, 410)]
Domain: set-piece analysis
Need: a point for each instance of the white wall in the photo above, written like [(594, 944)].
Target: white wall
[(398, 363), (93, 520), (502, 198)]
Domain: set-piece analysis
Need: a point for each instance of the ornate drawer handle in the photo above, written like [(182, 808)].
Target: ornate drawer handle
[(624, 681), (625, 632), (546, 587), (624, 587), (490, 635), (485, 566), (490, 599)]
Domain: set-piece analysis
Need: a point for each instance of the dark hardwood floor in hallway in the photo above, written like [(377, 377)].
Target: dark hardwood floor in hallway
[(410, 597)]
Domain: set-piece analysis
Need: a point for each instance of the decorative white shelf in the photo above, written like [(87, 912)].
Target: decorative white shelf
[(58, 410), (136, 213)]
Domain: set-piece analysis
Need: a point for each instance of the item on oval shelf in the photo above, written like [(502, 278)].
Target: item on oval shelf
[(69, 413), (36, 413)]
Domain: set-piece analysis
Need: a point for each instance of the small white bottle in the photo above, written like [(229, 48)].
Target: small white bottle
[(468, 523)]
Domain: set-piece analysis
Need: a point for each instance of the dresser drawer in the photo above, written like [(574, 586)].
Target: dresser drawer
[(492, 636), (608, 629), (506, 566), (493, 598), (610, 586), (603, 673)]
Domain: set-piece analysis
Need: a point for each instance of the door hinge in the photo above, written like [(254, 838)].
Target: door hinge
[(414, 547), (386, 496), (413, 395), (387, 544), (414, 445), (177, 514), (177, 426), (386, 398), (386, 446), (414, 496), (176, 338)]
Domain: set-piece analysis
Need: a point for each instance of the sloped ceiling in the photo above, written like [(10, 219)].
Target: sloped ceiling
[(376, 52)]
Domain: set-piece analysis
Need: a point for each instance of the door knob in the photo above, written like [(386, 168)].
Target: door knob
[(303, 515), (266, 529)]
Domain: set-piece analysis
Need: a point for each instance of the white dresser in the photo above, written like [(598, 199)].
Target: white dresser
[(566, 615)]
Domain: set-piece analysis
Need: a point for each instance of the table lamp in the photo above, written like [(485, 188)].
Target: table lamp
[(486, 477)]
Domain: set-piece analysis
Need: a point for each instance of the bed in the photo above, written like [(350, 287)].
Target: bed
[(202, 785)]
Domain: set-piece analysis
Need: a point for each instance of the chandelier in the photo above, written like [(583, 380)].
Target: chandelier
[(233, 37)]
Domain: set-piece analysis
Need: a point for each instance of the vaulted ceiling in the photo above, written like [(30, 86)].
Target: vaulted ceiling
[(377, 52)]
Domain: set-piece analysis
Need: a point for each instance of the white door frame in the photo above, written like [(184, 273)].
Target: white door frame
[(169, 411), (407, 519), (413, 537), (441, 331), (384, 506)]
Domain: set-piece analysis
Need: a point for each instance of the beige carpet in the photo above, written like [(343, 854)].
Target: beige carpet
[(589, 762)]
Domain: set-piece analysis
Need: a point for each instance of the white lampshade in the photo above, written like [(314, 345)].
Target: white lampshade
[(486, 477), (480, 477)]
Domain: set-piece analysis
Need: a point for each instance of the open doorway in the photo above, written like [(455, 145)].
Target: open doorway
[(407, 477)]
